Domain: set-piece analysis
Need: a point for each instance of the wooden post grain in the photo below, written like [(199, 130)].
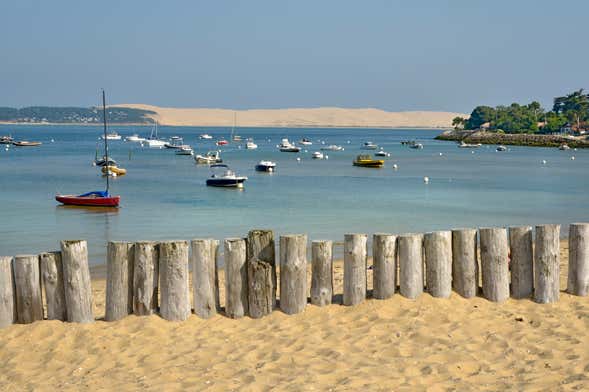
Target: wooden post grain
[(494, 264), (145, 278), (77, 284), (236, 297), (293, 273), (321, 273), (119, 280), (355, 265), (410, 249), (438, 263), (204, 283), (7, 296), (465, 266), (547, 264), (261, 246), (578, 277), (52, 274), (260, 288), (173, 269), (384, 254), (27, 281), (521, 249)]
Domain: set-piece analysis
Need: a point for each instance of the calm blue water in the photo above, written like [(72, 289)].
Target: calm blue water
[(164, 196)]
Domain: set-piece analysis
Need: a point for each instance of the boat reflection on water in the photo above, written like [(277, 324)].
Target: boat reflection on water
[(88, 209)]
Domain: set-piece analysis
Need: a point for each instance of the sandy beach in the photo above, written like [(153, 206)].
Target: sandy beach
[(395, 344), (298, 117)]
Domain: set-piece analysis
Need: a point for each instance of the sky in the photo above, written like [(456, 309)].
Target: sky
[(393, 55)]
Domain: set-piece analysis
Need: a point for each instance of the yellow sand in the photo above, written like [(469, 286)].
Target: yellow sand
[(396, 344), (304, 117)]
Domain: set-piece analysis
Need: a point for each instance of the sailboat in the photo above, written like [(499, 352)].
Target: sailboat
[(235, 138), (153, 141), (94, 198)]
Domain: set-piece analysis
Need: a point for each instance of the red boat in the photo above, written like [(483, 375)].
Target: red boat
[(93, 199), (222, 142)]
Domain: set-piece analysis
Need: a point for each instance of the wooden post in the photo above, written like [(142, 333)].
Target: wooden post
[(145, 278), (261, 246), (76, 278), (494, 264), (52, 274), (260, 288), (293, 273), (384, 253), (578, 279), (465, 265), (547, 264), (236, 298), (411, 265), (173, 269), (438, 263), (321, 273), (119, 280), (521, 261), (355, 265), (7, 296), (204, 283), (27, 281)]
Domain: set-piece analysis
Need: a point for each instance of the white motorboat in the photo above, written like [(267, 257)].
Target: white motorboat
[(382, 153), (332, 147), (210, 158), (501, 148), (305, 142), (174, 143), (564, 147), (206, 136), (416, 146), (135, 138), (318, 155), (286, 146), (369, 146), (266, 166), (468, 145), (184, 149), (112, 136), (226, 178), (153, 141), (250, 145)]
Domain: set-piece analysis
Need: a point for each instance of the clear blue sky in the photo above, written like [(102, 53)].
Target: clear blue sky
[(394, 55)]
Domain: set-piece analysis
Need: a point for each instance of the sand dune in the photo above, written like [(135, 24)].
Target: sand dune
[(317, 117), (395, 344)]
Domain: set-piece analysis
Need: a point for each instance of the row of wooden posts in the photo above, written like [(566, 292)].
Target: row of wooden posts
[(512, 261)]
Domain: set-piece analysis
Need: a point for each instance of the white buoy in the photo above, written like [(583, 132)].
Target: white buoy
[(441, 154), (327, 157), (323, 142), (543, 161), (573, 158), (395, 166), (426, 180), (298, 159), (472, 152), (306, 151), (349, 142), (52, 141)]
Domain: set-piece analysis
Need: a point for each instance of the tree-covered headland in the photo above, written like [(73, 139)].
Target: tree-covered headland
[(74, 115)]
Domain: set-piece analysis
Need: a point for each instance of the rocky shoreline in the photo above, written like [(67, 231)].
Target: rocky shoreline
[(514, 139)]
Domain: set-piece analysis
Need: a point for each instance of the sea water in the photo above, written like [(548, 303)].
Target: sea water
[(164, 195)]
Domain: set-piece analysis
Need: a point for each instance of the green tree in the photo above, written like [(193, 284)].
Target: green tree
[(458, 122), (574, 106), (479, 116)]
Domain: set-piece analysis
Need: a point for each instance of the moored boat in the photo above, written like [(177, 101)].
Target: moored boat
[(367, 161), (468, 145), (305, 142), (112, 136), (224, 177), (382, 153), (209, 158), (250, 145), (102, 161), (286, 146), (266, 166), (332, 147), (26, 143), (222, 142), (501, 148), (153, 141), (175, 142), (135, 138), (184, 149), (318, 155), (6, 139), (415, 145), (564, 147), (90, 199), (113, 170), (369, 146), (205, 136)]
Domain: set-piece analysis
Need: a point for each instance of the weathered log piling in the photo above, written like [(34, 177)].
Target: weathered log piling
[(384, 265), (173, 268), (411, 265), (52, 274), (321, 273), (517, 262), (438, 263), (293, 273), (77, 284), (495, 263), (119, 280), (465, 265), (204, 277), (547, 264), (578, 277), (521, 261), (355, 265)]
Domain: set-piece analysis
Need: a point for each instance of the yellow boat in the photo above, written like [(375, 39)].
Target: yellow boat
[(368, 161), (119, 171)]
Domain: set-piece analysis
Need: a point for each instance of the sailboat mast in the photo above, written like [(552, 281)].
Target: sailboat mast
[(105, 140)]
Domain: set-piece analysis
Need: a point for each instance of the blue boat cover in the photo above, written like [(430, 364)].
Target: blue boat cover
[(95, 193)]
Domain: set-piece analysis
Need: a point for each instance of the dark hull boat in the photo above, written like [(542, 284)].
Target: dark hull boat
[(225, 177)]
